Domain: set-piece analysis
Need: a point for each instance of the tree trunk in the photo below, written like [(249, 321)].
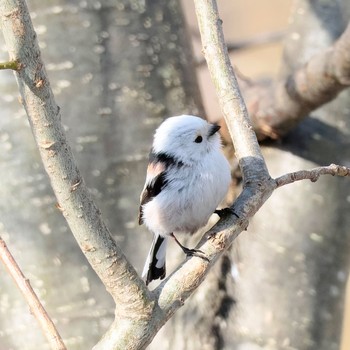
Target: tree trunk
[(117, 71)]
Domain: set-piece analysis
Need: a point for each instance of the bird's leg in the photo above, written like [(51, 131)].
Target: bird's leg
[(190, 252), (222, 213)]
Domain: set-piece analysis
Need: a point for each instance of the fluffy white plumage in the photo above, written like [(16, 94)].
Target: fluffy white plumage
[(187, 177)]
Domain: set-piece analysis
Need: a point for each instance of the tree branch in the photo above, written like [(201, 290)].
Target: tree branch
[(75, 202), (312, 175), (14, 65), (36, 308), (277, 108)]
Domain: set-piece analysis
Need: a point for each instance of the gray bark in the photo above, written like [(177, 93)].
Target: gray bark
[(117, 69)]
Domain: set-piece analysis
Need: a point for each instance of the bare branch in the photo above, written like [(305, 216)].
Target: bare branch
[(36, 308), (73, 197), (276, 108), (14, 65), (312, 175)]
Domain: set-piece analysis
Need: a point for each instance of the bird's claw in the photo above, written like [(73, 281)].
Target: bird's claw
[(225, 212), (196, 252)]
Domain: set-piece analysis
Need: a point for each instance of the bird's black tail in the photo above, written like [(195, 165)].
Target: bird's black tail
[(155, 262)]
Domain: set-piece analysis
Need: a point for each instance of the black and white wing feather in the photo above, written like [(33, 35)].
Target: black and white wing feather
[(155, 182)]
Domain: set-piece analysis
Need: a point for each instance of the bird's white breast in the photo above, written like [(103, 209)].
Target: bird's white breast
[(191, 195)]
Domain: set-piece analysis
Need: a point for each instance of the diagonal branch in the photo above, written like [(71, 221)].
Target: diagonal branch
[(36, 308), (313, 174), (75, 201), (277, 107)]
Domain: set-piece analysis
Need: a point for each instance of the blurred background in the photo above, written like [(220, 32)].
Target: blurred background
[(118, 68)]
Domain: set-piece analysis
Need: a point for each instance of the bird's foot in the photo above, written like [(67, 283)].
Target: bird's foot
[(190, 252), (225, 212), (195, 252)]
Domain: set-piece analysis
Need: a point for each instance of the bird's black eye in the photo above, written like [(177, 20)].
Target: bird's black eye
[(198, 139)]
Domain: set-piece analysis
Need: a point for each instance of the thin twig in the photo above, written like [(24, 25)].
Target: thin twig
[(313, 174), (36, 308), (14, 65)]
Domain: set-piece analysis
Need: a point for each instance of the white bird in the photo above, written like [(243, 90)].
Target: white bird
[(187, 178)]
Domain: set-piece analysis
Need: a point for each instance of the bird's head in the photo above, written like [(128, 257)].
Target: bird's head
[(187, 138)]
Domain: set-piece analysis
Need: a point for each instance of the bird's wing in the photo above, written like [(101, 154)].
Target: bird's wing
[(155, 182)]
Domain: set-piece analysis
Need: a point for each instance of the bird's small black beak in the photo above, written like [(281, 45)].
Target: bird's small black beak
[(213, 129)]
